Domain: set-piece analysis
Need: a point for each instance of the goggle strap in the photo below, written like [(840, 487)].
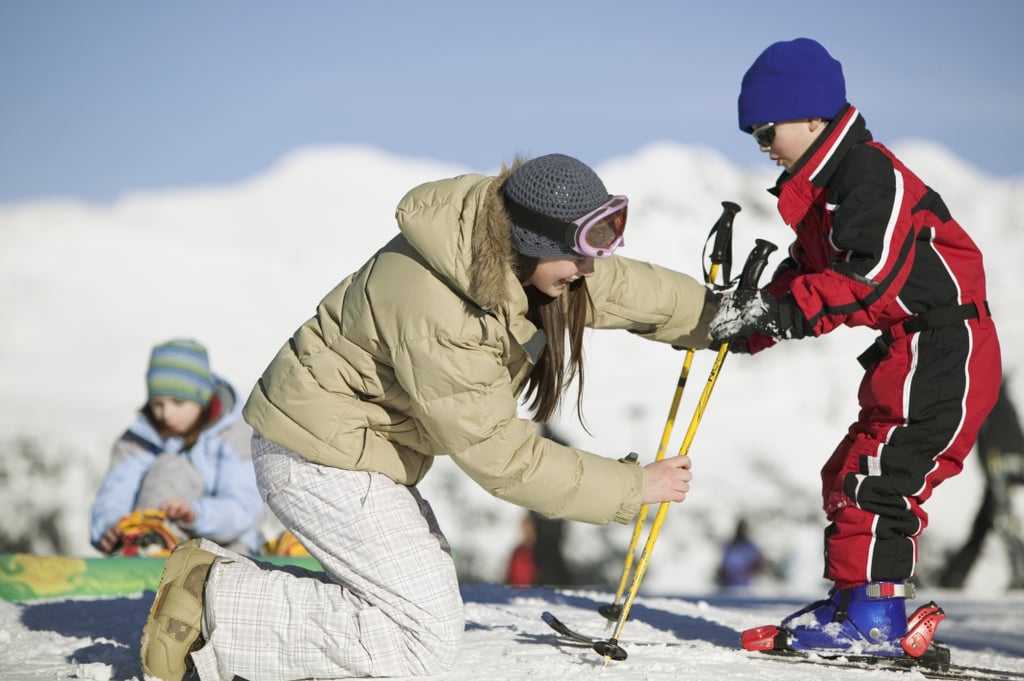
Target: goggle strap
[(545, 225)]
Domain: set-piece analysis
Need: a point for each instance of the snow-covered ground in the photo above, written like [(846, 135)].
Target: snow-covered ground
[(687, 637), (89, 288)]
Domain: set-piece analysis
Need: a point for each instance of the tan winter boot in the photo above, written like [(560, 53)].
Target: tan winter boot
[(173, 628)]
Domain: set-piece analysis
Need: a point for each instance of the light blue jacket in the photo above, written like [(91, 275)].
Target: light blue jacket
[(229, 507)]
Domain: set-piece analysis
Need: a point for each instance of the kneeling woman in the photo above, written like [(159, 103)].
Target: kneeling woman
[(482, 298)]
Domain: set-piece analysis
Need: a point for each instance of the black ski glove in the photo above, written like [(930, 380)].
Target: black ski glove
[(744, 312), (738, 345)]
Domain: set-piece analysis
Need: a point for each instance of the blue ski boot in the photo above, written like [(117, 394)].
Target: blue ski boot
[(871, 618), (868, 620)]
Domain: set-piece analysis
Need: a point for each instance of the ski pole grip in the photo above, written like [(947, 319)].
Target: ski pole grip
[(721, 253), (756, 262)]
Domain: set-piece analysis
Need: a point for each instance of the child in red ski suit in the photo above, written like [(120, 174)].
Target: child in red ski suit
[(874, 247)]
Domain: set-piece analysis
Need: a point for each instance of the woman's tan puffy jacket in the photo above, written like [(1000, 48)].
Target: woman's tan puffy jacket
[(424, 351)]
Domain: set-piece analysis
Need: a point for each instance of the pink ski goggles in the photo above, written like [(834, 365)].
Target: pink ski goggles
[(594, 235), (599, 233)]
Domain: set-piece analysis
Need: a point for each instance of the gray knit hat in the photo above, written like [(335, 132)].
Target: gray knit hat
[(553, 186)]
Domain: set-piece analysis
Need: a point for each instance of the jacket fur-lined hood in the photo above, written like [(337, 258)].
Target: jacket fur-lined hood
[(461, 228)]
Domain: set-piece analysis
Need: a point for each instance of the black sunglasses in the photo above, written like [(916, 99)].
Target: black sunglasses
[(764, 135)]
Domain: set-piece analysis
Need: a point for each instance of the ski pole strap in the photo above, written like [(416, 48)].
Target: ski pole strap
[(930, 319)]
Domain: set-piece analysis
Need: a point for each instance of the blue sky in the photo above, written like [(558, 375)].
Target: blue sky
[(104, 97)]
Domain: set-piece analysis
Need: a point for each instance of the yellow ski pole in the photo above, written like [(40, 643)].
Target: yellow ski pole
[(751, 273), (721, 256), (612, 612)]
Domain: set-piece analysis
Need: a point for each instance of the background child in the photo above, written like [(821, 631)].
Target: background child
[(186, 455), (874, 247)]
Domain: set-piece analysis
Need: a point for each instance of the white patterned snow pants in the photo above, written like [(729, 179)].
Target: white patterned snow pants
[(387, 603)]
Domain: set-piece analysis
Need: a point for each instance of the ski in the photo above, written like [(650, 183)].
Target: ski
[(953, 672), (950, 672), (920, 651)]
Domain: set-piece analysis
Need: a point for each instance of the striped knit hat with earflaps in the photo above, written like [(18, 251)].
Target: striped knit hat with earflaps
[(180, 368)]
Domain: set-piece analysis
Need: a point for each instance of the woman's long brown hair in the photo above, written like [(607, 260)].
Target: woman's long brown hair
[(562, 318)]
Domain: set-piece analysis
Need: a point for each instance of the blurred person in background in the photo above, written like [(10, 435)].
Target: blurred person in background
[(538, 559), (183, 467), (742, 559), (1001, 455)]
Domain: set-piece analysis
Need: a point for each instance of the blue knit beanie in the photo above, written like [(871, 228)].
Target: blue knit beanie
[(789, 81), (180, 368)]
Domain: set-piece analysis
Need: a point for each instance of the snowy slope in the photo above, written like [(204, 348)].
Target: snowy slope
[(667, 638)]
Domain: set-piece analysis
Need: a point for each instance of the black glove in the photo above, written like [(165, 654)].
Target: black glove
[(744, 312), (738, 345)]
